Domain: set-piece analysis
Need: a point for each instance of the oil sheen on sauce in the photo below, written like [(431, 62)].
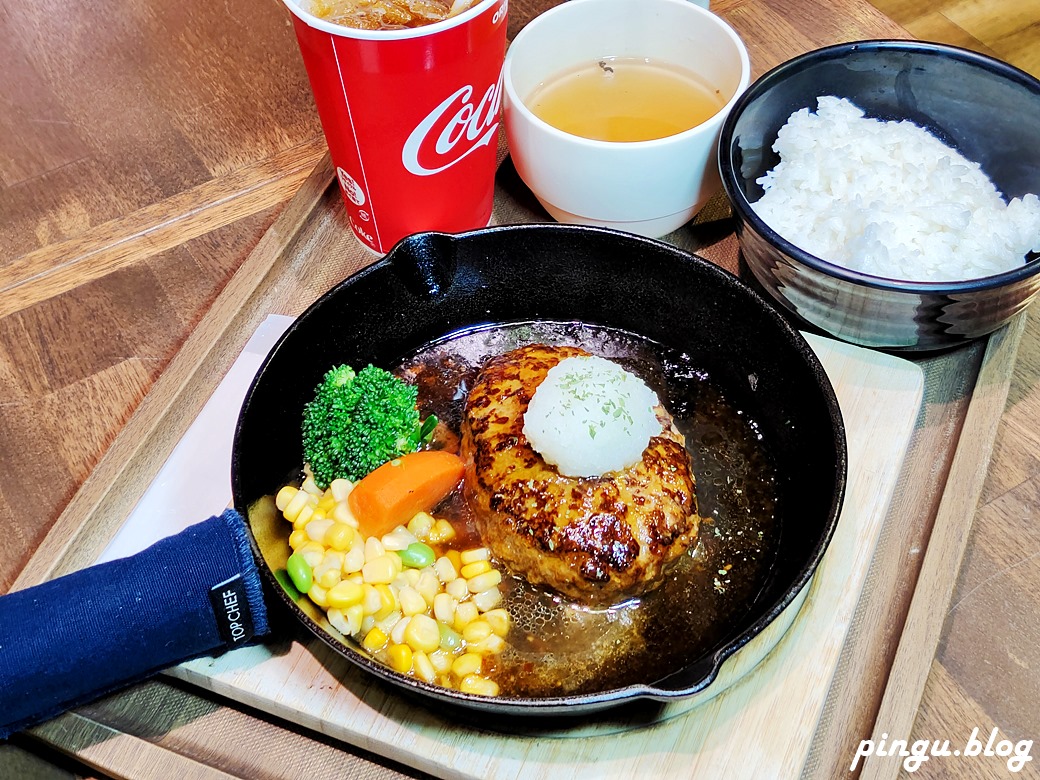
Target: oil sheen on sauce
[(624, 99), (559, 648)]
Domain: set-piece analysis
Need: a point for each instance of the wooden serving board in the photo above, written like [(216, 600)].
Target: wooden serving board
[(757, 720), (308, 250)]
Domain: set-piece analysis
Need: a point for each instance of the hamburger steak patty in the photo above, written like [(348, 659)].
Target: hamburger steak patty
[(596, 540)]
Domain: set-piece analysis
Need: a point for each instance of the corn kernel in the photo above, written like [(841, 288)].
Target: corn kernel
[(371, 600), (374, 641), (424, 669), (379, 570), (490, 645), (373, 549), (345, 594), (318, 526), (466, 664), (488, 599), (499, 620), (442, 531), (285, 497), (398, 539), (412, 602), (387, 601), (386, 625), (354, 560), (329, 578), (481, 686), (311, 487), (367, 624), (457, 588), (488, 579), (317, 594), (428, 585), (398, 628), (455, 557), (441, 660), (340, 489), (342, 514), (420, 525), (339, 621), (313, 553), (474, 555), (330, 561), (339, 536), (304, 516), (296, 503), (326, 504), (476, 631), (298, 539), (423, 634), (408, 577), (354, 615), (471, 570), (445, 569), (465, 613), (444, 608), (400, 658)]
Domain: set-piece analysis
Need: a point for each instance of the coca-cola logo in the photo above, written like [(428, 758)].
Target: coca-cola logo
[(453, 131)]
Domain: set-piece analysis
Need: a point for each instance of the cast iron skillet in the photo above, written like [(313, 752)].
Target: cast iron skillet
[(433, 284)]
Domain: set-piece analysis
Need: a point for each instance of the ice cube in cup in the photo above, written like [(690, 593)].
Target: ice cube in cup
[(387, 14)]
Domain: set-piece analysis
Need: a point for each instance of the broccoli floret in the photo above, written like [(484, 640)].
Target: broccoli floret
[(357, 422)]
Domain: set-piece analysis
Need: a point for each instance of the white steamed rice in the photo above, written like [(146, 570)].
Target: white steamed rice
[(590, 416), (890, 199)]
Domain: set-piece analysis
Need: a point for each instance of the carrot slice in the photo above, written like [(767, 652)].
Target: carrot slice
[(392, 494)]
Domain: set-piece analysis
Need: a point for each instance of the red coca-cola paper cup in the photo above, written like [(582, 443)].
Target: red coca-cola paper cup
[(411, 118)]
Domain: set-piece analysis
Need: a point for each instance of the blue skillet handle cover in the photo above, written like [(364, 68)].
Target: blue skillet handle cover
[(78, 637)]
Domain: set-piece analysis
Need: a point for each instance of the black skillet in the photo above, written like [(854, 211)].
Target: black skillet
[(435, 284)]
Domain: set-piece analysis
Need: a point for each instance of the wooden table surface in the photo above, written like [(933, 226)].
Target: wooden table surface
[(145, 149)]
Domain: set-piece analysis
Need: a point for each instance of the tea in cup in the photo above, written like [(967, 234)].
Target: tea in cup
[(613, 110)]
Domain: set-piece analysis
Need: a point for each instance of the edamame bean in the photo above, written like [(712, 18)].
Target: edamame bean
[(300, 572), (451, 640), (417, 555)]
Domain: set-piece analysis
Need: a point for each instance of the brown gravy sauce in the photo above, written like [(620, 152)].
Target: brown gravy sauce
[(559, 648)]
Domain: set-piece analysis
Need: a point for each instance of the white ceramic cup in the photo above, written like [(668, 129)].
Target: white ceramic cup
[(645, 187)]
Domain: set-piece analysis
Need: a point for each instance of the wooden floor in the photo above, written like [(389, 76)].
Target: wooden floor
[(1007, 29)]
